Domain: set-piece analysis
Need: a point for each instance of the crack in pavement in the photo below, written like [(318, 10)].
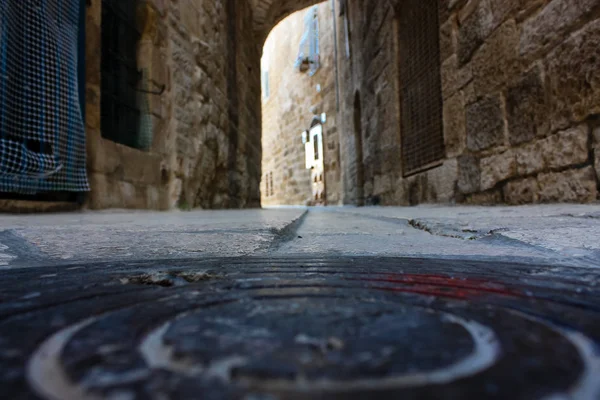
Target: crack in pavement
[(284, 235), (494, 237), (445, 230)]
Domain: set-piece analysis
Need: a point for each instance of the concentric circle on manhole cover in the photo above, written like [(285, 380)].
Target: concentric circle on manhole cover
[(342, 328)]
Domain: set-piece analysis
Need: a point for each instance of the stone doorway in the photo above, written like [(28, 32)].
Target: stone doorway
[(314, 161)]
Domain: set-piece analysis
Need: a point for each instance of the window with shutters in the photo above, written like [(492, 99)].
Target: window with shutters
[(345, 13), (308, 54), (420, 85)]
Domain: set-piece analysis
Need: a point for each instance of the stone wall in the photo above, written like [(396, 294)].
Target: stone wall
[(370, 136), (525, 74), (520, 90), (521, 97), (295, 98), (205, 150)]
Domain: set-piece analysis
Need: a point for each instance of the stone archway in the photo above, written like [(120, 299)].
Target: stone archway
[(268, 13), (294, 102)]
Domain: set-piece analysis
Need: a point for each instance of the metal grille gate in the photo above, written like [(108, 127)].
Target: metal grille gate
[(420, 85)]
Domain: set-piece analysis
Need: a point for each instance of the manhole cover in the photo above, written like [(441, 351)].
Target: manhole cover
[(300, 328)]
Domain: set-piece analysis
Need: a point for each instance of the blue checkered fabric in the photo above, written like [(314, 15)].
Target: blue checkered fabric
[(42, 135)]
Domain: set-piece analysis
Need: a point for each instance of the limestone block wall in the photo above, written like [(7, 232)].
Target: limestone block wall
[(521, 99), (206, 133), (294, 99), (369, 113), (520, 90)]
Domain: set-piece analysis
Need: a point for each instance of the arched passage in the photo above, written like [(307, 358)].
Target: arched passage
[(300, 139)]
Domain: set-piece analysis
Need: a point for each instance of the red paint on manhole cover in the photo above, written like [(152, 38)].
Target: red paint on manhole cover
[(439, 285)]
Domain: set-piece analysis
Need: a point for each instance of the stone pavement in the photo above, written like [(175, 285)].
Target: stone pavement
[(560, 234), (290, 303)]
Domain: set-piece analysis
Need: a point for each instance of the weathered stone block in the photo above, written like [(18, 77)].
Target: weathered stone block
[(99, 196), (530, 158), (442, 181), (190, 18), (527, 8), (567, 148), (469, 93), (469, 174), (454, 78), (92, 106), (382, 184), (503, 9), (92, 54), (491, 197), (485, 124), (572, 69), (159, 134), (497, 58), (467, 8), (158, 71), (174, 192), (497, 168), (577, 185), (106, 192), (447, 40), (452, 4), (552, 24), (140, 167), (476, 24), (527, 108), (103, 156), (131, 196), (153, 198), (455, 127), (524, 191)]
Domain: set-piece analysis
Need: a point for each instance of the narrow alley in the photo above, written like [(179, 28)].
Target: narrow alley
[(299, 199)]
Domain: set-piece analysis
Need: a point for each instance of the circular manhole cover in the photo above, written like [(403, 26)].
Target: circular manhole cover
[(301, 328)]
